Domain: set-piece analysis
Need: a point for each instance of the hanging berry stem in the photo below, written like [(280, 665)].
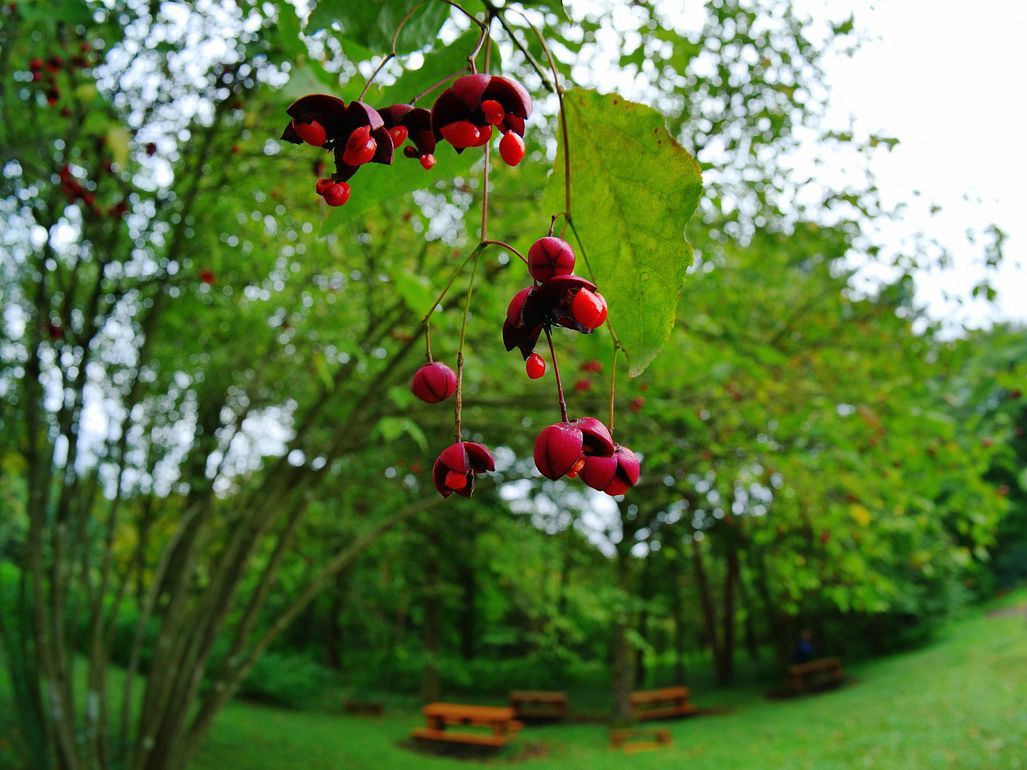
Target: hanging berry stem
[(458, 404), (613, 383), (392, 50), (426, 321), (556, 374), (508, 247), (563, 117), (592, 275), (434, 86), (522, 48)]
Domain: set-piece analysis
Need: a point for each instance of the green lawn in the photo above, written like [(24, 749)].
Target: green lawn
[(960, 703)]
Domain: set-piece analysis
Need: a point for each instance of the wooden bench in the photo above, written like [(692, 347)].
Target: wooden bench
[(539, 704), (497, 724), (820, 674), (665, 703), (634, 740), (365, 708)]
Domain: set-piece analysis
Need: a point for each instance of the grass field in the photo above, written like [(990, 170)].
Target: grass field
[(960, 703)]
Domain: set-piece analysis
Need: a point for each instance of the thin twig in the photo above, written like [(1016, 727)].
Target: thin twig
[(556, 373), (392, 49)]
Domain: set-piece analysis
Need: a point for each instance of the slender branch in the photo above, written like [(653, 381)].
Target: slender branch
[(556, 373), (459, 401), (522, 48), (435, 85), (613, 384), (392, 49), (426, 321), (508, 247)]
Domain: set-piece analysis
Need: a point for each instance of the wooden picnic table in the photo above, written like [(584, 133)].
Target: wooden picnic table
[(663, 703), (539, 704), (820, 674), (496, 725)]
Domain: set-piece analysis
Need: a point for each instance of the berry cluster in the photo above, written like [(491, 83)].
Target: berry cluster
[(572, 448), (45, 72), (464, 115), (76, 191)]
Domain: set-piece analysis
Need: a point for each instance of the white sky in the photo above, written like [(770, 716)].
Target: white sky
[(949, 79)]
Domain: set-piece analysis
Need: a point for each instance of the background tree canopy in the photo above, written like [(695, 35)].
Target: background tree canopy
[(214, 478)]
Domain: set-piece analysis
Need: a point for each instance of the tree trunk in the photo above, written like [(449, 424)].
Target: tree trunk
[(726, 663), (705, 601), (431, 687), (678, 617), (623, 679)]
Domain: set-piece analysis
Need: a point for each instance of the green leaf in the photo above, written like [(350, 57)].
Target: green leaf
[(372, 23), (118, 140), (634, 189), (415, 290)]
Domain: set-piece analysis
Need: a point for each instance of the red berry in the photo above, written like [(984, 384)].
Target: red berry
[(613, 475), (595, 436), (433, 383), (583, 386), (588, 309), (511, 147), (592, 366), (360, 147), (311, 133), (549, 257), (36, 64), (427, 161), (535, 366), (457, 465), (637, 403), (461, 134), (558, 449), (322, 185), (493, 111), (455, 481), (399, 135), (336, 194), (207, 276), (513, 310)]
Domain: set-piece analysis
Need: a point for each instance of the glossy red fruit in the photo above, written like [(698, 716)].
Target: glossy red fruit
[(399, 135), (595, 436), (461, 134), (549, 257), (457, 466), (336, 194), (322, 185), (589, 309), (493, 111), (613, 475), (511, 147), (208, 277), (433, 383), (535, 366), (360, 147), (558, 449), (311, 133), (513, 310), (484, 134), (427, 162)]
